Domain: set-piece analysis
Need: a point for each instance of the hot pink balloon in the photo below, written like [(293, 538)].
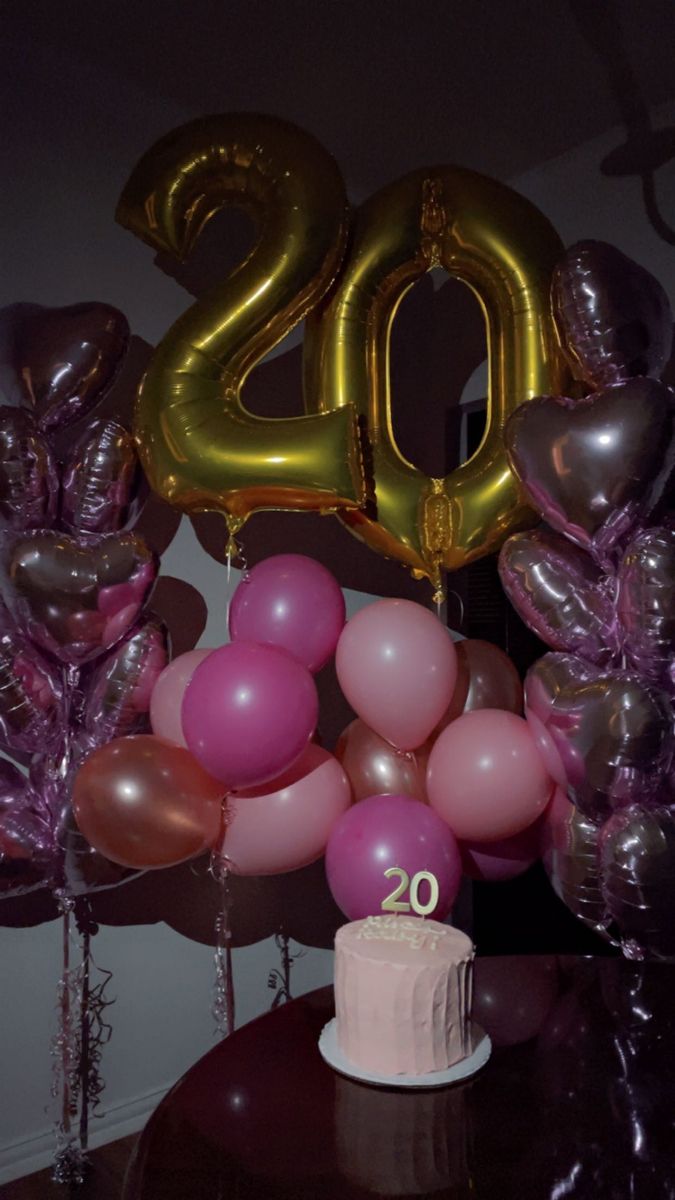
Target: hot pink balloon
[(486, 777), (248, 713), (390, 831), (292, 602), (397, 667), (285, 824), (495, 862), (167, 696)]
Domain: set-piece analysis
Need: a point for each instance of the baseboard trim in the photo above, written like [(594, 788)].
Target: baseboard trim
[(34, 1153)]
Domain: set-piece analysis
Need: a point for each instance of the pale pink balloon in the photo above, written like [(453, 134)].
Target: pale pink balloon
[(397, 668), (285, 824), (486, 777), (167, 696)]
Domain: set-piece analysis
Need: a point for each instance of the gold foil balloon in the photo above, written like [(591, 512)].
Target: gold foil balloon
[(200, 447), (504, 249)]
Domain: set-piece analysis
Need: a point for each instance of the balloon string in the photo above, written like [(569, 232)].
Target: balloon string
[(223, 1006), (69, 1160), (279, 979)]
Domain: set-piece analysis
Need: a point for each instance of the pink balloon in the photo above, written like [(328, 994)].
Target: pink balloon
[(390, 831), (167, 696), (292, 602), (397, 667), (285, 824), (495, 862), (248, 713), (486, 777)]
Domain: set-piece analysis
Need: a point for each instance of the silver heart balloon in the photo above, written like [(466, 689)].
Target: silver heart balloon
[(637, 862), (609, 734), (561, 594), (593, 468), (570, 858), (76, 597), (29, 481), (646, 604), (118, 688)]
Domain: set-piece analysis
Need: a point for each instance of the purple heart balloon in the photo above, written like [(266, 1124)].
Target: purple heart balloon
[(606, 736), (613, 316), (560, 594), (637, 865), (59, 362), (646, 605), (76, 597), (593, 468), (118, 688), (32, 706), (29, 481), (101, 480)]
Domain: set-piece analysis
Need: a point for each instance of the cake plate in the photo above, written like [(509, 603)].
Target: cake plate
[(482, 1046)]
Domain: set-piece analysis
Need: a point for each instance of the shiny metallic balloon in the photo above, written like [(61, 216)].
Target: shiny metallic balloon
[(560, 594), (118, 689), (637, 856), (76, 596), (101, 479), (375, 768), (499, 244), (29, 482), (646, 604), (200, 447), (610, 733), (570, 858), (60, 361), (593, 468), (32, 706), (614, 317)]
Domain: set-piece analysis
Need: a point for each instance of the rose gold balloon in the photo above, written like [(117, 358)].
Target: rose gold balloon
[(145, 803), (376, 768), (486, 678)]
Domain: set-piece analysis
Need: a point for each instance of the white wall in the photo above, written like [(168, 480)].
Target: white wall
[(67, 163)]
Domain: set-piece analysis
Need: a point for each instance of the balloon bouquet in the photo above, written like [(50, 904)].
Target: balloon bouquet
[(598, 586), (79, 654)]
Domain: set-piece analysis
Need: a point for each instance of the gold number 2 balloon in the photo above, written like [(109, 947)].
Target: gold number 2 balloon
[(200, 447), (499, 244)]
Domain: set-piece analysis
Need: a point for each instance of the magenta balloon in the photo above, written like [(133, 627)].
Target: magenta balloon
[(292, 602), (248, 713), (390, 831), (397, 667), (166, 701), (486, 777), (285, 824), (495, 862)]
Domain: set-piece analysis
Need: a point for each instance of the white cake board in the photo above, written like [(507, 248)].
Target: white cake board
[(329, 1050)]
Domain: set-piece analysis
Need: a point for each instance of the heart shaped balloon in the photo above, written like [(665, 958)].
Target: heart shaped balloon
[(637, 859), (607, 734), (560, 594), (570, 857), (592, 468), (101, 480), (613, 316), (76, 597), (60, 361), (118, 688), (32, 706), (646, 604), (29, 482)]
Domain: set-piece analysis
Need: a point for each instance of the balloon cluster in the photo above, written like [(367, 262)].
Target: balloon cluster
[(598, 587), (79, 654), (446, 774)]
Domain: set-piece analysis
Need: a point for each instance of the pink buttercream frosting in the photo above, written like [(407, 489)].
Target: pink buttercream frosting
[(403, 994)]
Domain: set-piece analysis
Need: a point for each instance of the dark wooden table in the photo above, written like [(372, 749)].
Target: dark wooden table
[(578, 1100)]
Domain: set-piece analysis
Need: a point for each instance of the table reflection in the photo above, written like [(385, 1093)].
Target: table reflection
[(577, 1100)]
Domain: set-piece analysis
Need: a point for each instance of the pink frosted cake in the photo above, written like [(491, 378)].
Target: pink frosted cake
[(403, 995)]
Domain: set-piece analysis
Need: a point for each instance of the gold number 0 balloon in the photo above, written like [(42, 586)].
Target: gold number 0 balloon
[(200, 447), (502, 247)]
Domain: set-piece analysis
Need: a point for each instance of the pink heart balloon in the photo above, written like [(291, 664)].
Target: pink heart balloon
[(605, 735), (646, 605), (76, 597), (593, 468)]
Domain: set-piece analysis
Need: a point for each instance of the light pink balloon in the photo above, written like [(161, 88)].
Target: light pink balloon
[(486, 777), (397, 668), (285, 824), (167, 696)]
